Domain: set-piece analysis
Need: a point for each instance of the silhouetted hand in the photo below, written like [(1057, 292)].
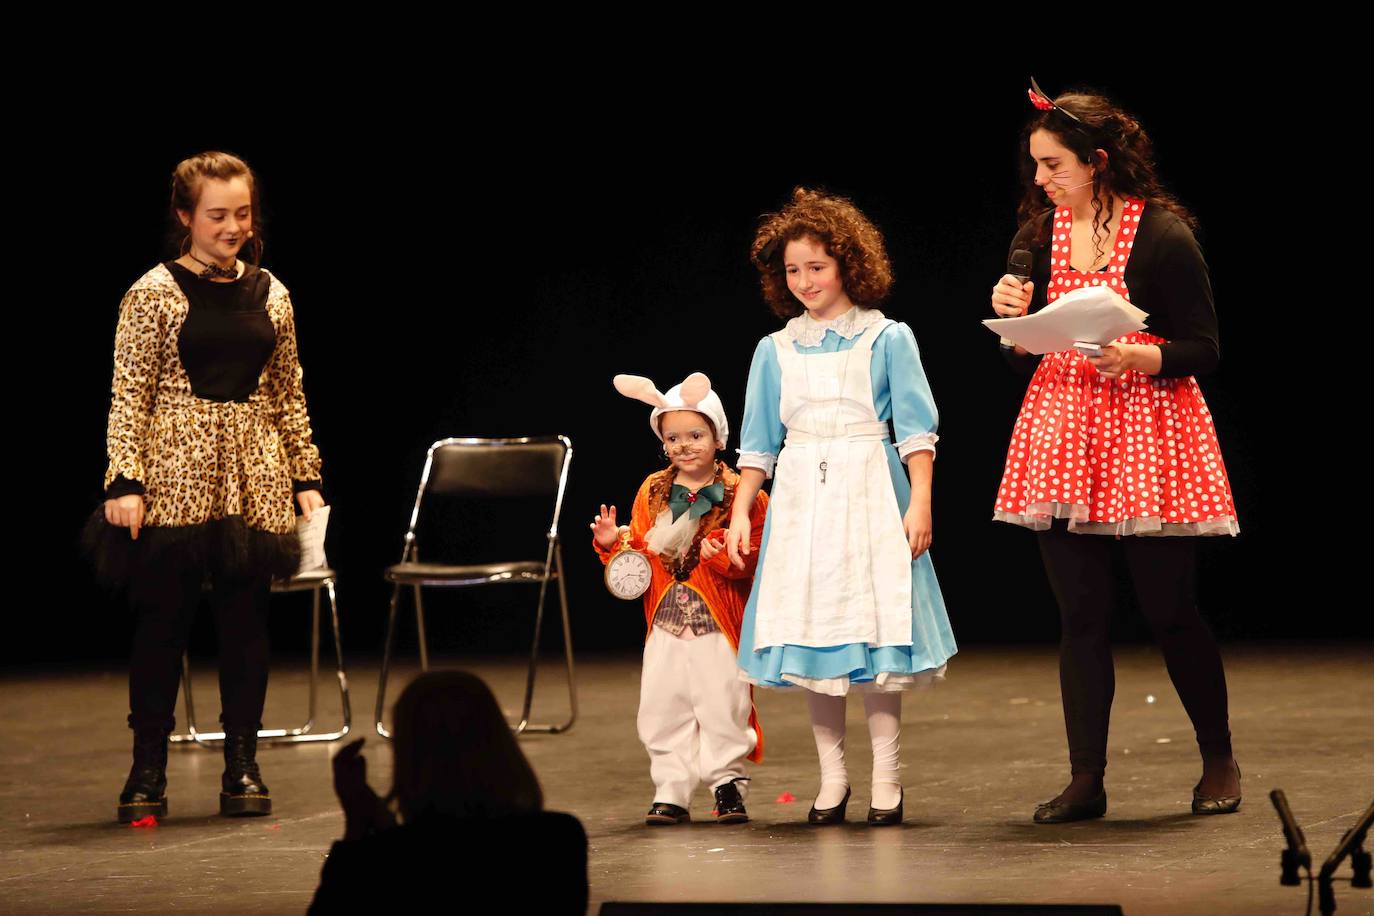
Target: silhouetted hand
[(364, 811)]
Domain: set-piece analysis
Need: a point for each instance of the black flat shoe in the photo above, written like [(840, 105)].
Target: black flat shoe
[(887, 817), (729, 805), (1064, 812), (833, 815), (145, 791), (242, 791), (662, 814), (1220, 804)]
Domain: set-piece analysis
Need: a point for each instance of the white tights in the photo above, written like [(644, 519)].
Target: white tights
[(884, 713)]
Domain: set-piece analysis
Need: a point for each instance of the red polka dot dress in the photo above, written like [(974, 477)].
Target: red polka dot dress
[(1132, 455)]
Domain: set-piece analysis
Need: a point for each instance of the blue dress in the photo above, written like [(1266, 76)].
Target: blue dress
[(901, 395)]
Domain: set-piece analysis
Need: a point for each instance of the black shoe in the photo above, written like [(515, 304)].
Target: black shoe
[(1221, 804), (729, 805), (887, 817), (145, 791), (833, 815), (663, 813), (243, 793), (1064, 812)]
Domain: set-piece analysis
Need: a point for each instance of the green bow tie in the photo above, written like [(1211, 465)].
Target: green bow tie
[(682, 500)]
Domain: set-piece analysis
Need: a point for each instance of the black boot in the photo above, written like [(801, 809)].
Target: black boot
[(145, 791), (243, 793)]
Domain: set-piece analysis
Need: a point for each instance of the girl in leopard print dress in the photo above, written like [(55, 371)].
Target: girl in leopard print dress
[(209, 443)]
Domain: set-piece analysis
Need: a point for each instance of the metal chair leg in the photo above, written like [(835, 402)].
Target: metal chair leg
[(420, 627), (188, 702), (567, 644), (344, 703), (555, 556), (314, 659), (386, 659), (524, 724)]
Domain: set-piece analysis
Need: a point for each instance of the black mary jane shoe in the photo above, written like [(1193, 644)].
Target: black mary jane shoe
[(887, 817), (729, 805), (1219, 804), (242, 791), (663, 814), (1064, 812), (833, 815), (145, 791)]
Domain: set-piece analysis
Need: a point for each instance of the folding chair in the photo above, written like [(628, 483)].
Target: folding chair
[(313, 582), (487, 469)]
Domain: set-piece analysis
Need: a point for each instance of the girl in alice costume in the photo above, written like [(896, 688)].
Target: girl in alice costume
[(845, 593), (696, 716)]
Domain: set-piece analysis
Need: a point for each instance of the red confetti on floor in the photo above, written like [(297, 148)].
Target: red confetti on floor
[(274, 827), (149, 821), (786, 798)]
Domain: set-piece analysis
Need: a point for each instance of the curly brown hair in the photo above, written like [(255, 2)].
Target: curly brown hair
[(1130, 169), (187, 180), (848, 236)]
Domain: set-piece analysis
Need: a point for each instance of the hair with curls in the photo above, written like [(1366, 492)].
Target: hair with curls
[(848, 236), (1130, 168), (189, 177), (454, 755)]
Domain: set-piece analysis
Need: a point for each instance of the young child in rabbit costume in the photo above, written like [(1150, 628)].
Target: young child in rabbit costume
[(696, 716)]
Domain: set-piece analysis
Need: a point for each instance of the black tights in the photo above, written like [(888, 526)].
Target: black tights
[(1163, 573), (164, 602)]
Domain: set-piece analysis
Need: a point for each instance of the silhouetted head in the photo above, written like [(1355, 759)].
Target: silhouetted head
[(455, 755)]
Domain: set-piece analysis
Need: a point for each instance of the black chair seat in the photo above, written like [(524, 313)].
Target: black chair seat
[(479, 574), (303, 582)]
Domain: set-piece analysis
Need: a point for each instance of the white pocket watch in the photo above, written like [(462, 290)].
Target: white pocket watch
[(628, 573)]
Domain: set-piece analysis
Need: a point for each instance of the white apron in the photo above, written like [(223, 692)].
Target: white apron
[(837, 569)]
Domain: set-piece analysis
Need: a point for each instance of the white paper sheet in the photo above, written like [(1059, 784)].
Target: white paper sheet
[(311, 536), (1093, 314)]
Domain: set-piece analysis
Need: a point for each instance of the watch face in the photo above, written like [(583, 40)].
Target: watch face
[(628, 574)]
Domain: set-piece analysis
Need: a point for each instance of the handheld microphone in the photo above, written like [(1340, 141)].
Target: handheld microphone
[(1019, 266)]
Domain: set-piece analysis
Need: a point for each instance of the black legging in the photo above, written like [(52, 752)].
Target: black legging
[(1163, 572), (165, 602)]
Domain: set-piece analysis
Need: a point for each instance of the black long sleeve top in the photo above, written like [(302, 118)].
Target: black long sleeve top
[(1167, 278)]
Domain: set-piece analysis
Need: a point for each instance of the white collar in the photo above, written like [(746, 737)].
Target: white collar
[(809, 332)]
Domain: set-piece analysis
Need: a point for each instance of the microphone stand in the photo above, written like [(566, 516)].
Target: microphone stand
[(1296, 856)]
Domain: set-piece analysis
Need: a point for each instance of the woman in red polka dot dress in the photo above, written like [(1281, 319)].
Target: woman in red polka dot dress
[(1114, 458)]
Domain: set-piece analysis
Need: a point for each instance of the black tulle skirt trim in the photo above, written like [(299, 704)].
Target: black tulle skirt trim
[(222, 548)]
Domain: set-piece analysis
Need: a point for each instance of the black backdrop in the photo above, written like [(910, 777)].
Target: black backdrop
[(467, 266)]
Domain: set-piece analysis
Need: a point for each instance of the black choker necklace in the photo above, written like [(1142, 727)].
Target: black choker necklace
[(214, 270)]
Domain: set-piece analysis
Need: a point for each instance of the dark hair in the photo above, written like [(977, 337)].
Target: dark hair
[(1129, 171), (848, 236), (454, 755), (188, 178)]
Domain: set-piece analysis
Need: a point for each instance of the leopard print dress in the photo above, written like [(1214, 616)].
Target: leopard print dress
[(217, 477)]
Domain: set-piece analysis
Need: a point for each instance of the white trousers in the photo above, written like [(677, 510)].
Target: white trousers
[(693, 714)]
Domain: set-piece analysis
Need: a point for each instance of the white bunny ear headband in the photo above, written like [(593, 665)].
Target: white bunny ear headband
[(693, 394)]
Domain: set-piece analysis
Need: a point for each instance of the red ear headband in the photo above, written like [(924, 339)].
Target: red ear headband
[(1045, 103)]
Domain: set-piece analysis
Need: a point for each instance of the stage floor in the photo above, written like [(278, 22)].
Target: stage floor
[(978, 752)]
